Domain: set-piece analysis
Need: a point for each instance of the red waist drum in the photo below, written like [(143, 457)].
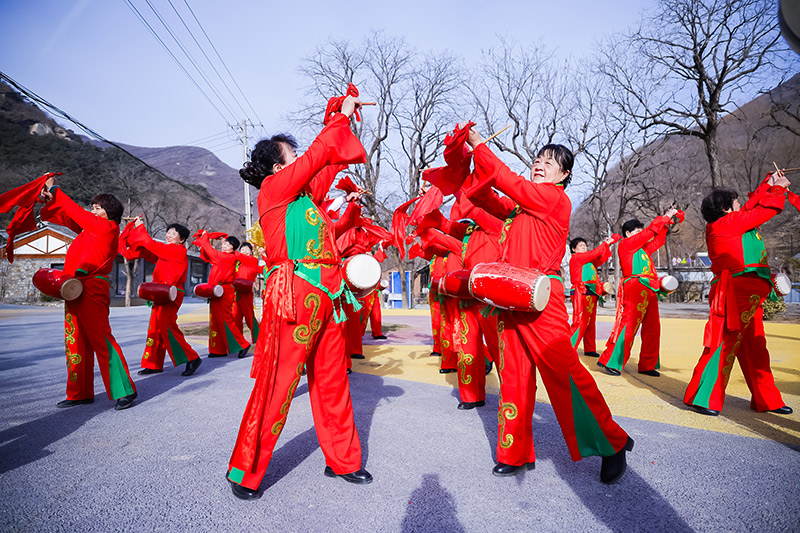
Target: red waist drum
[(783, 285), (57, 284), (455, 284), (242, 286), (207, 290), (510, 287), (158, 293), (362, 273)]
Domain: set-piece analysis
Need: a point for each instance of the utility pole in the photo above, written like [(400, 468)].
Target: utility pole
[(248, 216)]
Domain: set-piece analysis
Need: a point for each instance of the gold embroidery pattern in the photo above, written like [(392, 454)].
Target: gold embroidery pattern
[(464, 359), (642, 308), (442, 330), (746, 317), (507, 410), (150, 341), (73, 359), (302, 333), (589, 305), (507, 225), (278, 426), (315, 247)]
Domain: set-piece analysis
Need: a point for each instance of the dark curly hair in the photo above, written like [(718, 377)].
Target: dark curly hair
[(575, 242), (111, 204), (233, 242), (631, 225), (563, 157), (266, 153), (716, 202)]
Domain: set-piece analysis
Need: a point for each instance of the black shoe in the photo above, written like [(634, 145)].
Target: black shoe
[(785, 410), (489, 366), (243, 493), (447, 370), (465, 406), (73, 403), (217, 354), (704, 410), (503, 470), (654, 373), (615, 465), (242, 353), (349, 371), (379, 337), (361, 477), (125, 401), (591, 354), (435, 354), (357, 356), (145, 371), (608, 370), (192, 366)]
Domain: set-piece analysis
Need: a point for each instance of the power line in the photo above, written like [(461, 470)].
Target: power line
[(92, 133)]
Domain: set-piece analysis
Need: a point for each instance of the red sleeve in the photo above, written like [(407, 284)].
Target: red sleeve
[(766, 206), (598, 256), (488, 222), (641, 239), (81, 218), (753, 197), (657, 242), (335, 145), (322, 181), (160, 250), (793, 199), (435, 238), (537, 199), (204, 244), (351, 215)]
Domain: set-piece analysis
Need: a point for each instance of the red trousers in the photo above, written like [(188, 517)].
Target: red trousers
[(313, 340), (436, 320), (164, 335), (87, 333), (449, 313), (244, 313), (584, 316), (223, 335), (748, 345), (540, 341), (475, 338), (352, 332), (371, 311), (639, 308)]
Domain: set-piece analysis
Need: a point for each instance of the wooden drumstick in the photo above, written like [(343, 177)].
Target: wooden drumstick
[(776, 167), (496, 134), (369, 103), (785, 170)]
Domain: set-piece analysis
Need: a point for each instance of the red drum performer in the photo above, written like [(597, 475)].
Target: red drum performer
[(172, 265), (305, 292), (742, 281), (246, 270), (538, 211)]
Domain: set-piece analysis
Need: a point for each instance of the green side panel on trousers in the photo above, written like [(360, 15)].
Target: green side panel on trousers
[(589, 436), (256, 329), (574, 338), (708, 379), (118, 379), (236, 475), (178, 355), (618, 355), (233, 344)]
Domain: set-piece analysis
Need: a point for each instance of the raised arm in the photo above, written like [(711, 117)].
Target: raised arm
[(80, 217), (766, 206), (598, 256), (161, 250)]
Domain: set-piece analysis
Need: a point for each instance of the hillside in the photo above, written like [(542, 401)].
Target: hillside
[(676, 169), (33, 144)]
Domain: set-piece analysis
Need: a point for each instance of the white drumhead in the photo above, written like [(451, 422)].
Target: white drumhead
[(173, 293), (669, 283), (71, 289), (363, 271), (541, 292), (783, 285), (384, 284), (218, 291)]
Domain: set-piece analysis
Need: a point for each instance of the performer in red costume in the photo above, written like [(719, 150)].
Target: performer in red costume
[(223, 335), (372, 311), (586, 290), (534, 235), (247, 269), (302, 306), (163, 333), (87, 331), (637, 297), (735, 328)]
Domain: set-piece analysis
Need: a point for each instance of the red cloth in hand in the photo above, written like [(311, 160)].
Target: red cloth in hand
[(793, 199), (399, 222), (25, 197), (346, 184), (431, 201), (335, 104)]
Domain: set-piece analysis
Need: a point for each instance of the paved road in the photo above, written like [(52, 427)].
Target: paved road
[(160, 466)]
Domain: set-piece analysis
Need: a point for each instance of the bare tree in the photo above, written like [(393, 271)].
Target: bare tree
[(688, 62)]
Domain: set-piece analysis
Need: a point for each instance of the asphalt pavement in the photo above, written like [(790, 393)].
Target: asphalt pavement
[(160, 466)]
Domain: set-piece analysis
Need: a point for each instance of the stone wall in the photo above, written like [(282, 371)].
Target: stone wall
[(16, 283)]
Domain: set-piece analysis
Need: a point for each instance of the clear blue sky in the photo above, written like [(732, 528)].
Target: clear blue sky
[(95, 60)]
